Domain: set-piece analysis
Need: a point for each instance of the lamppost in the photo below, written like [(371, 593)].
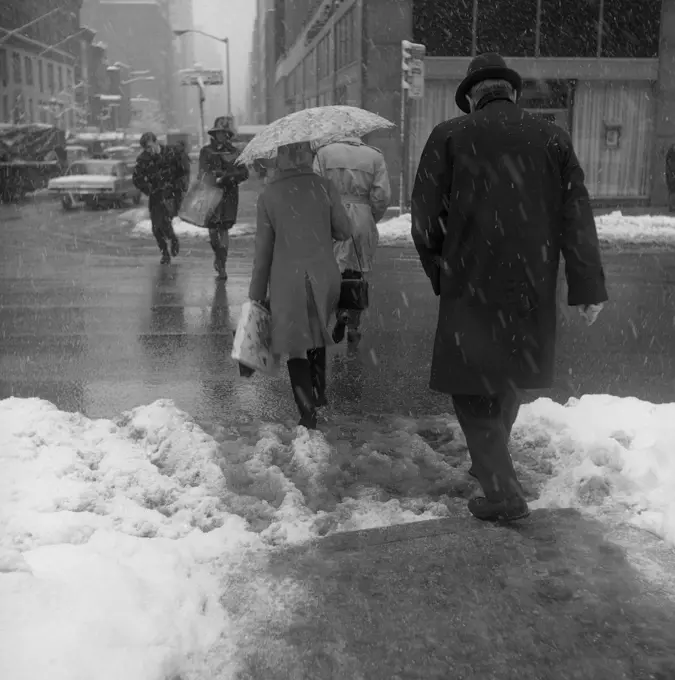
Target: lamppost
[(184, 31)]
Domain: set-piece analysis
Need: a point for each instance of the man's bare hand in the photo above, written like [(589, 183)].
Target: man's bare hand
[(590, 312)]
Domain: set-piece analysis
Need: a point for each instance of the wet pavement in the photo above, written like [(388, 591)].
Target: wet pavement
[(90, 321)]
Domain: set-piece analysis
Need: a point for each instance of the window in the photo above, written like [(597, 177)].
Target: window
[(345, 33), (41, 79), (3, 68), (28, 68), (31, 111), (60, 78), (323, 58), (309, 68), (5, 109), (50, 77), (16, 67)]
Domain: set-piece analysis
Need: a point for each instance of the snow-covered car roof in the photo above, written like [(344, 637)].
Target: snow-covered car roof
[(95, 166)]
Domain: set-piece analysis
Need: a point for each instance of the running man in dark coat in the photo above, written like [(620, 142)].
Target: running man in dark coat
[(217, 168), (161, 176), (499, 194)]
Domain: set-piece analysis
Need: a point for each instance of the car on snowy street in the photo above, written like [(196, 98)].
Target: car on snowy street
[(95, 183)]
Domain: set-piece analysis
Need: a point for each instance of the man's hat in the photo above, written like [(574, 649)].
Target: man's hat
[(223, 124), (488, 66)]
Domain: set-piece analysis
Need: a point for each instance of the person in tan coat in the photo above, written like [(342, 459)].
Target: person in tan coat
[(299, 216), (360, 174)]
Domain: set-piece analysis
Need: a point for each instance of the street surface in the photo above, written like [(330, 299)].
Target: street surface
[(90, 321)]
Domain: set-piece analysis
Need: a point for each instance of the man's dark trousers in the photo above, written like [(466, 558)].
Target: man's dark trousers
[(487, 422), (161, 214)]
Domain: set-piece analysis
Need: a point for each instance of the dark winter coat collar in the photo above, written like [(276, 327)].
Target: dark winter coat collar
[(494, 96), (291, 172), (224, 147)]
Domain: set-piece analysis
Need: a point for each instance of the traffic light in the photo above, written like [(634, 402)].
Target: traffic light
[(412, 68)]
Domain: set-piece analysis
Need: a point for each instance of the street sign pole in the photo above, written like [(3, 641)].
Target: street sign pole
[(412, 87), (201, 78)]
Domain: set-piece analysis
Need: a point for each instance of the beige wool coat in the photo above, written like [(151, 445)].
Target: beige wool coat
[(299, 216), (360, 174)]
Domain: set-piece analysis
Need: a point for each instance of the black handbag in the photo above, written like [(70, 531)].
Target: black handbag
[(354, 291)]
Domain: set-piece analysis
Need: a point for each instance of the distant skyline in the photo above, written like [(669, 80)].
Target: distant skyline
[(231, 19)]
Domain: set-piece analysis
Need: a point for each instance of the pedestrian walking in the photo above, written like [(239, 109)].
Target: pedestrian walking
[(359, 172), (499, 194), (161, 177), (299, 216), (217, 168), (670, 177)]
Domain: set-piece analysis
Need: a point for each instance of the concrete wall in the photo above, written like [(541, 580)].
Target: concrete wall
[(381, 75), (664, 90)]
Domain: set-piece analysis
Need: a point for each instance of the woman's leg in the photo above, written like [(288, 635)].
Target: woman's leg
[(300, 373), (347, 319), (317, 367)]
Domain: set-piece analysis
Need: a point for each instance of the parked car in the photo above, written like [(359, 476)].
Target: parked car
[(75, 152), (95, 182)]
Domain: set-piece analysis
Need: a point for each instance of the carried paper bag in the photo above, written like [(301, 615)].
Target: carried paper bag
[(200, 201), (252, 345)]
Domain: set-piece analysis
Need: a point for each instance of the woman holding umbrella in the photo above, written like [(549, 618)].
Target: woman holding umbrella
[(299, 216)]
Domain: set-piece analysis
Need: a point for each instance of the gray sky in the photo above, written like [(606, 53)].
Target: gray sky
[(231, 19)]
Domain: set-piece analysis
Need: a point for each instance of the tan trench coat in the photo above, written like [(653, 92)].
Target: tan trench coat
[(360, 174), (299, 215)]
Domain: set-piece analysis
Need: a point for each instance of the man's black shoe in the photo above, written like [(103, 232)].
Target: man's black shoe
[(506, 510)]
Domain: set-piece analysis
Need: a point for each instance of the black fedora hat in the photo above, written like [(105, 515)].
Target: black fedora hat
[(222, 124), (488, 66)]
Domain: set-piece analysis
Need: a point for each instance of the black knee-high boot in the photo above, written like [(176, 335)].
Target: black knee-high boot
[(301, 382), (317, 366)]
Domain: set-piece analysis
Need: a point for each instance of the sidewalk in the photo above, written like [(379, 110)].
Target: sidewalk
[(547, 598)]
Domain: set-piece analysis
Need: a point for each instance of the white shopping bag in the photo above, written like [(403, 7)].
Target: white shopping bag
[(199, 202), (252, 345)]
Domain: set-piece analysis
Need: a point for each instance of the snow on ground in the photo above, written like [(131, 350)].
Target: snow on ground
[(614, 227), (136, 548), (143, 228)]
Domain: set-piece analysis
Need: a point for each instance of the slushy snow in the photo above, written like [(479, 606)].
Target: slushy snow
[(136, 548), (614, 227), (143, 228)]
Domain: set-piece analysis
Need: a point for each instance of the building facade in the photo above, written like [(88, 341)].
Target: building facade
[(138, 35), (38, 63), (262, 64), (602, 69)]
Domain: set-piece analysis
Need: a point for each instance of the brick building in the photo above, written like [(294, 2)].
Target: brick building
[(38, 63), (138, 34), (603, 69)]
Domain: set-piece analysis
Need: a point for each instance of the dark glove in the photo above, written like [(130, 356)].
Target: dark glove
[(245, 371), (434, 274)]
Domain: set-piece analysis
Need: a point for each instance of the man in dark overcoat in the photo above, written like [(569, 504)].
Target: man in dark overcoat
[(217, 168), (499, 195), (161, 176), (670, 177)]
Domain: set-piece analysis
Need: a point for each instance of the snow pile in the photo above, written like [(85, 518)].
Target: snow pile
[(639, 229), (610, 456), (614, 227), (143, 228), (118, 539), (138, 548)]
